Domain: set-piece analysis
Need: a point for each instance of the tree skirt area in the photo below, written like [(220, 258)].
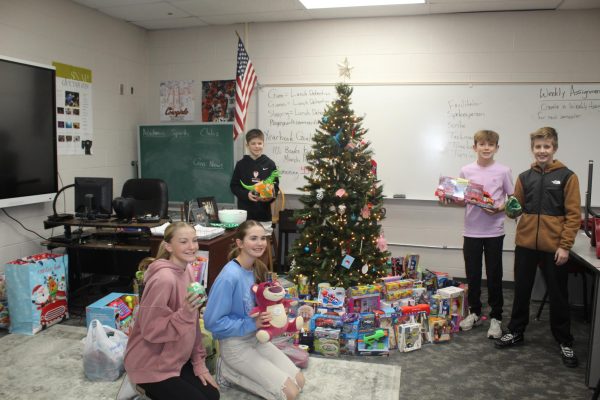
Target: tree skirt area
[(49, 365)]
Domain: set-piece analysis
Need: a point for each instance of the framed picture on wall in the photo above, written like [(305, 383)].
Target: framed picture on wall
[(209, 206)]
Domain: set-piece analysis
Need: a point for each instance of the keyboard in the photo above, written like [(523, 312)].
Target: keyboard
[(148, 218)]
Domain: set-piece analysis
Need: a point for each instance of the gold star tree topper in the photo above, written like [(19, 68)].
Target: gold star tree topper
[(345, 69)]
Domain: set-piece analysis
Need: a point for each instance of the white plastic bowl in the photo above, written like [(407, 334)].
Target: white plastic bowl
[(232, 216)]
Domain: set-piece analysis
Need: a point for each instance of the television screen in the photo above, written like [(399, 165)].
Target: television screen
[(93, 197), (28, 167)]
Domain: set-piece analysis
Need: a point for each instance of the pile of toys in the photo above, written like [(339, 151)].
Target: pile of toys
[(116, 310), (403, 311)]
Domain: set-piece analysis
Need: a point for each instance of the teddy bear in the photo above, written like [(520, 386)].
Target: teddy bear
[(270, 297)]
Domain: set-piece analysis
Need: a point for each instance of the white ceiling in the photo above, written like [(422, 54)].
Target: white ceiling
[(173, 14)]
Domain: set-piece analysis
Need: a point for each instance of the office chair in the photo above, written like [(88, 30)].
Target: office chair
[(151, 196)]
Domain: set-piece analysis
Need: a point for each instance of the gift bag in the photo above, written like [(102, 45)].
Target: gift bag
[(103, 352), (36, 289)]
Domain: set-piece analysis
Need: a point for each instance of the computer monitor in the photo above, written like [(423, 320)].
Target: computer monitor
[(93, 197)]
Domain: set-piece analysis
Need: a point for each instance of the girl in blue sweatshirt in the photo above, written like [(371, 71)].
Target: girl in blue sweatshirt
[(260, 368)]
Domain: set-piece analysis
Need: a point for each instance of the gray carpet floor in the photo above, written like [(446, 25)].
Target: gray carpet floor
[(469, 367)]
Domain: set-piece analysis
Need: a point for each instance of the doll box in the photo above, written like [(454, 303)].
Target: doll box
[(114, 310)]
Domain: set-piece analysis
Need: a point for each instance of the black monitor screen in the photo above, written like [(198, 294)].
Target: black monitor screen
[(28, 160), (93, 197)]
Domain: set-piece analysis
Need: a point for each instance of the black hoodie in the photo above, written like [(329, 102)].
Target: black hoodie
[(250, 172)]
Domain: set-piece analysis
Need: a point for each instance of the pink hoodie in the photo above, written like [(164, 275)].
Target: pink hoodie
[(166, 334)]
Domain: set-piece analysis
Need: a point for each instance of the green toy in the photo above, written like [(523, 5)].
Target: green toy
[(513, 208), (264, 189), (197, 288), (370, 339)]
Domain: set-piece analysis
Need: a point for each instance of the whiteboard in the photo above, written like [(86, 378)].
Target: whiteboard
[(420, 132)]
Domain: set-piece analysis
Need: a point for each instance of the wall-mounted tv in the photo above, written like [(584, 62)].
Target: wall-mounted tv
[(28, 159)]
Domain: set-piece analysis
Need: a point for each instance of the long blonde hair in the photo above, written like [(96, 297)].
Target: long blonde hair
[(162, 251), (260, 269)]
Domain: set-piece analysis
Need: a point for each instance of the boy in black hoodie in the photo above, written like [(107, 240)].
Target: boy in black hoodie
[(251, 169)]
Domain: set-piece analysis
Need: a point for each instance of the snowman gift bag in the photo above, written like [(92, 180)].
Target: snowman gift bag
[(37, 292)]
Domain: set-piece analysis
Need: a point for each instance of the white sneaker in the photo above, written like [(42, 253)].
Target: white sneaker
[(469, 322), (495, 331)]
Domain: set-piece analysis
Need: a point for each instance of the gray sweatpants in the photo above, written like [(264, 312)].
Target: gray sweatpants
[(260, 368)]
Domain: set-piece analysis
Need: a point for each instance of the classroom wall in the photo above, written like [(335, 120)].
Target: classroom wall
[(480, 47), (44, 31)]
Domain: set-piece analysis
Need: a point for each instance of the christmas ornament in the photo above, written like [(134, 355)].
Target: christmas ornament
[(345, 69), (306, 249), (342, 209), (353, 217), (300, 223), (340, 192), (365, 212), (381, 243), (364, 269), (320, 194), (332, 208), (325, 119)]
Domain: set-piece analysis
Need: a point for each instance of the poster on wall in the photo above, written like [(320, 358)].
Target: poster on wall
[(218, 101), (176, 101), (73, 110)]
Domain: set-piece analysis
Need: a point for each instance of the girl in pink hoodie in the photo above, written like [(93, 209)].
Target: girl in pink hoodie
[(165, 355)]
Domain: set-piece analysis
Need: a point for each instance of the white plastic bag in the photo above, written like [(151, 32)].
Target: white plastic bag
[(103, 352)]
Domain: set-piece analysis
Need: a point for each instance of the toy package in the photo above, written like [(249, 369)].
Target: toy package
[(116, 310), (410, 337), (460, 189), (440, 329), (37, 292), (412, 264), (332, 297), (327, 341), (373, 342), (456, 296)]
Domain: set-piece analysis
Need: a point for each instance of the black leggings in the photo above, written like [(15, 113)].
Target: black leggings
[(183, 387)]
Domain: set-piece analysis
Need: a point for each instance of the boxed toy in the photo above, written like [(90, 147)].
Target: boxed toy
[(114, 310), (412, 264), (325, 321), (410, 337), (456, 296), (373, 342), (363, 303), (332, 297), (460, 189), (440, 329), (327, 341), (37, 292)]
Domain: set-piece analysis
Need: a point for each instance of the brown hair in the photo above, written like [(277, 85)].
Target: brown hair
[(253, 134), (162, 251), (260, 269), (545, 133), (486, 136)]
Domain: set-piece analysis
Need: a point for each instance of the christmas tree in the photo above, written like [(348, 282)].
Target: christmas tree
[(340, 239)]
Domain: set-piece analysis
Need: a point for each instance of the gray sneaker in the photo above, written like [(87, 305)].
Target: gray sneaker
[(470, 321), (495, 330)]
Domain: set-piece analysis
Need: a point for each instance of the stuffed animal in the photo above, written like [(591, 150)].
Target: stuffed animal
[(270, 297)]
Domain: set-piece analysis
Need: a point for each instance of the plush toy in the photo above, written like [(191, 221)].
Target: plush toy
[(270, 297)]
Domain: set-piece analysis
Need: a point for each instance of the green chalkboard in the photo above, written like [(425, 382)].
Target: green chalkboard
[(195, 160)]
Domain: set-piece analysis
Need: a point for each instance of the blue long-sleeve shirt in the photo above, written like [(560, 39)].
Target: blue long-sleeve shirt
[(229, 303)]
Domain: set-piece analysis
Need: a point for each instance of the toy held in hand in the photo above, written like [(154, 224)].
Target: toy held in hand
[(270, 298), (460, 189), (512, 207), (264, 189), (197, 288)]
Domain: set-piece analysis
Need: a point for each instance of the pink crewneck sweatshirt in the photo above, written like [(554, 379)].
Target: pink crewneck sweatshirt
[(166, 334)]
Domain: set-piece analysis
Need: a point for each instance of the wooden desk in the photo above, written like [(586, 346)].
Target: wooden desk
[(583, 253)]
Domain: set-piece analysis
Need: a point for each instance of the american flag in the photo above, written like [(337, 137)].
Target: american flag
[(245, 79)]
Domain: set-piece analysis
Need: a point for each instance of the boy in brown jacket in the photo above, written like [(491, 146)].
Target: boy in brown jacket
[(550, 198)]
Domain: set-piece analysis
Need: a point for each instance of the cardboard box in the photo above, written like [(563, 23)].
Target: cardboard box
[(114, 310)]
